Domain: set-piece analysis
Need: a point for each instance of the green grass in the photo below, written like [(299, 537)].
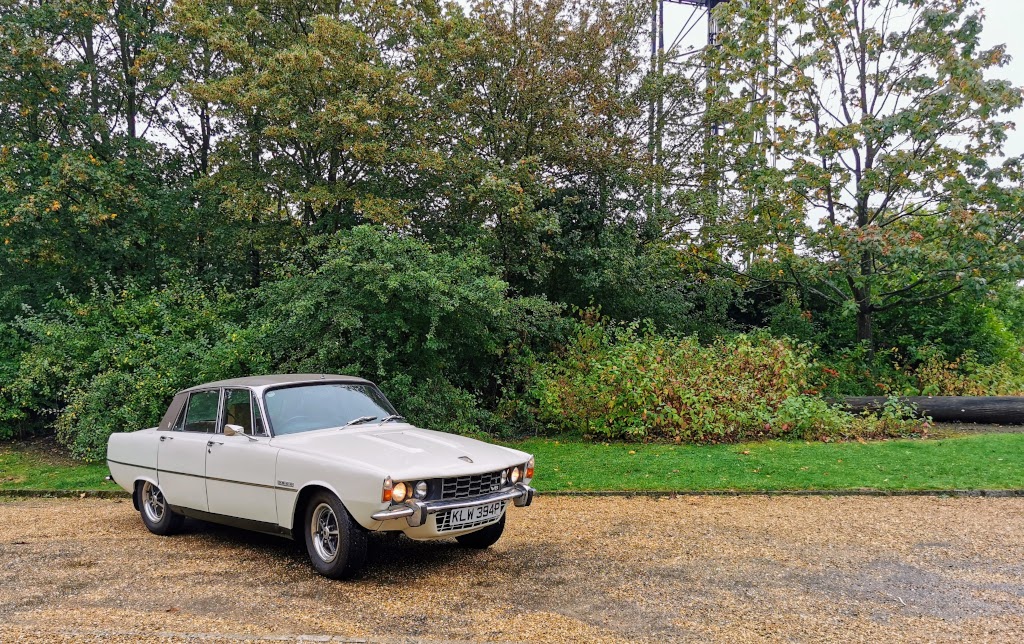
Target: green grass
[(984, 461), (31, 470)]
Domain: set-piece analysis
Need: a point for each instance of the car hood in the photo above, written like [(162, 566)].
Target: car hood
[(404, 451)]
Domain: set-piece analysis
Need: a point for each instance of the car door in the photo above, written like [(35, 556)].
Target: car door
[(181, 460), (240, 469)]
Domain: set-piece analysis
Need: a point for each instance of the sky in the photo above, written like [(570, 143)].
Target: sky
[(1004, 22)]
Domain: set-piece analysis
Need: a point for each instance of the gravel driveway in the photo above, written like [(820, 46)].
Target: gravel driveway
[(590, 569)]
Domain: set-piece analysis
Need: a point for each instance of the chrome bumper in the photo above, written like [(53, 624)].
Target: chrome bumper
[(416, 512)]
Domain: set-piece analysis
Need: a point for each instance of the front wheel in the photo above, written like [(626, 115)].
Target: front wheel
[(336, 545), (483, 538), (156, 513)]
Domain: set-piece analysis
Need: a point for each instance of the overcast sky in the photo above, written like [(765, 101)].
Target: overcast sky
[(1004, 23)]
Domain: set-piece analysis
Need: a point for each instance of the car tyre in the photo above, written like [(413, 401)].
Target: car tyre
[(336, 544), (156, 512), (483, 538)]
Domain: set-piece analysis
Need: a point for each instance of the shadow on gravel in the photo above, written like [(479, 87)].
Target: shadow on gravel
[(391, 558)]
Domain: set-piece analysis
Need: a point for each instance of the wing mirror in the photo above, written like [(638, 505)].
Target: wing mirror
[(236, 430)]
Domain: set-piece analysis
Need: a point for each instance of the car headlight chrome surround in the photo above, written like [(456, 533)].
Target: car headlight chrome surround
[(420, 490), (400, 492)]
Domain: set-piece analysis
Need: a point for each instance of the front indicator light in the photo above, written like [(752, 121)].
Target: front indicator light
[(420, 490), (529, 469), (389, 488), (400, 492), (516, 475)]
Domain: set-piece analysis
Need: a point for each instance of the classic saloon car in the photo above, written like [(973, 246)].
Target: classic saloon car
[(323, 458)]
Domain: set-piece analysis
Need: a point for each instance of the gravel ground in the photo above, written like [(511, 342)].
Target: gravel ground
[(727, 569)]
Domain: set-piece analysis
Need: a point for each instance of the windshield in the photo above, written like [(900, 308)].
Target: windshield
[(310, 407)]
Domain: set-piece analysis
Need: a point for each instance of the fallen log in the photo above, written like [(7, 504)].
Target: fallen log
[(1000, 410)]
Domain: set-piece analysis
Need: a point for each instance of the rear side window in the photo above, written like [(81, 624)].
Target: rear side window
[(201, 412)]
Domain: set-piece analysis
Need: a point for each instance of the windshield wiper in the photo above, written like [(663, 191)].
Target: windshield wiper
[(361, 419), (393, 417)]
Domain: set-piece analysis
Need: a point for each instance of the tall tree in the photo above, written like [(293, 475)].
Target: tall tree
[(862, 136), (83, 192)]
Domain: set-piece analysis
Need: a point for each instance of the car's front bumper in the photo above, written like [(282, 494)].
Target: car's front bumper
[(416, 511)]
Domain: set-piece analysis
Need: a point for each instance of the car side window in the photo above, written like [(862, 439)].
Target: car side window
[(179, 423), (257, 422), (238, 409), (201, 412)]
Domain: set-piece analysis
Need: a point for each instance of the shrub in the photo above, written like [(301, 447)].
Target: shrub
[(111, 362), (926, 372), (434, 329), (624, 383)]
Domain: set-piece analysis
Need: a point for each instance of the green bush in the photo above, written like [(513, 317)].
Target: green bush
[(927, 371), (111, 362), (619, 382), (434, 329), (437, 331)]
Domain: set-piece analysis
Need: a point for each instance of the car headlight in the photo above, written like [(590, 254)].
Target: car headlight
[(504, 477), (420, 490), (529, 469), (516, 475), (399, 493)]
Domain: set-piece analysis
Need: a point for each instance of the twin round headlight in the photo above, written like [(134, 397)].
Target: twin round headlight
[(400, 491), (518, 473)]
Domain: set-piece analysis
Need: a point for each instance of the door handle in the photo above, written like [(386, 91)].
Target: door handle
[(210, 444), (166, 438)]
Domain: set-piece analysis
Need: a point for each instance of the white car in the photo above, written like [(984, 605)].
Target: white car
[(323, 458)]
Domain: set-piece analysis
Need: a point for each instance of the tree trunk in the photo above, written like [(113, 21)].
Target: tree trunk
[(865, 328)]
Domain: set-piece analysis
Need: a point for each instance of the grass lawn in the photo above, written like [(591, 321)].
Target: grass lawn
[(980, 461), (31, 469)]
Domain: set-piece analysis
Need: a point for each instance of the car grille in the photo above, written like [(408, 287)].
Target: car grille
[(464, 487)]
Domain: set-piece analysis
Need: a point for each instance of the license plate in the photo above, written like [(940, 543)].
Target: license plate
[(475, 514)]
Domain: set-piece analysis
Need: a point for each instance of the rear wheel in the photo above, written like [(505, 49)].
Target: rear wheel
[(335, 543), (156, 513), (483, 538)]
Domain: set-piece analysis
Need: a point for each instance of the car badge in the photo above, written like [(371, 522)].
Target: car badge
[(466, 458)]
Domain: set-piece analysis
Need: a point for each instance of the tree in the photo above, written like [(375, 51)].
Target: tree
[(83, 193), (861, 135)]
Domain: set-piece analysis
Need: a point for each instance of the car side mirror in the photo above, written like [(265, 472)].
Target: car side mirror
[(236, 430)]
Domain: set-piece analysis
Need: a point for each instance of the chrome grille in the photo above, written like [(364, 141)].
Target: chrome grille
[(464, 487)]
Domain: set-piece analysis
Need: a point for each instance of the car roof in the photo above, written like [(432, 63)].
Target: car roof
[(273, 380)]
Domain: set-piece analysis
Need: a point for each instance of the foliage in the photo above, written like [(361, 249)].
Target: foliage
[(111, 361), (432, 328), (619, 382), (422, 192), (863, 133), (926, 372)]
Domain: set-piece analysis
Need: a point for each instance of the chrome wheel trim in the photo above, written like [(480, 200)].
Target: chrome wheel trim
[(323, 528), (153, 502)]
